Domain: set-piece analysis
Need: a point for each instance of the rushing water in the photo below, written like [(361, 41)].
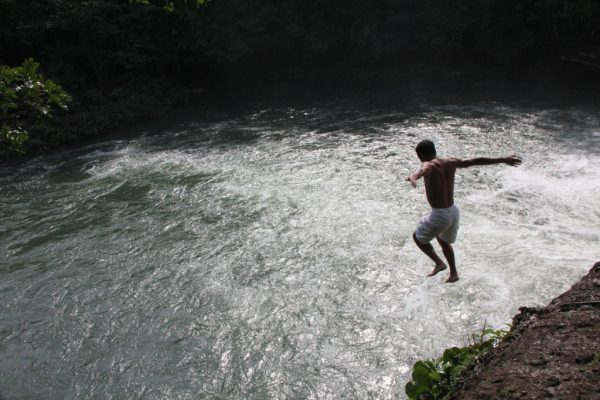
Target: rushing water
[(266, 253)]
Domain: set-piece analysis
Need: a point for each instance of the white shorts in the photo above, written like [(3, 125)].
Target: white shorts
[(441, 222)]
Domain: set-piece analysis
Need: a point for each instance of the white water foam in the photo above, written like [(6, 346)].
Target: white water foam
[(278, 263)]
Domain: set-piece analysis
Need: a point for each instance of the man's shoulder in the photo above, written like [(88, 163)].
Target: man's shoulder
[(450, 159), (451, 162)]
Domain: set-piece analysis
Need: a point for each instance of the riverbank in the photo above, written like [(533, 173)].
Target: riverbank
[(556, 352)]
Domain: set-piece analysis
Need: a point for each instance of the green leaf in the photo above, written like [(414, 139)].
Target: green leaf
[(434, 376), (420, 371), (411, 390), (451, 355)]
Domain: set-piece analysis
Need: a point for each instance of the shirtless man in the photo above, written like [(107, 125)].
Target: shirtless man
[(442, 222)]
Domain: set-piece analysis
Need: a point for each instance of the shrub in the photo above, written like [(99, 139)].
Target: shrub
[(438, 378), (25, 97)]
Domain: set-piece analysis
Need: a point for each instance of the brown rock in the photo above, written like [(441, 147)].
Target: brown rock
[(556, 352)]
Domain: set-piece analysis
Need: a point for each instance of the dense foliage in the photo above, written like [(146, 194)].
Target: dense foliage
[(112, 51), (436, 379), (109, 42), (25, 98)]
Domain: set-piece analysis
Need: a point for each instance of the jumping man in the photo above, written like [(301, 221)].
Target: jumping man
[(442, 222)]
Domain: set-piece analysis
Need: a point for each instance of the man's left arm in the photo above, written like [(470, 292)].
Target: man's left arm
[(513, 161)]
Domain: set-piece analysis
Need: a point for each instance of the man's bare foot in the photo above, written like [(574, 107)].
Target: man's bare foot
[(452, 278), (438, 268)]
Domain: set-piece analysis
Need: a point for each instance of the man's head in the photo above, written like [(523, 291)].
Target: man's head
[(426, 150)]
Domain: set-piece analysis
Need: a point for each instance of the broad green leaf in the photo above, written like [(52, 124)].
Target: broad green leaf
[(420, 371)]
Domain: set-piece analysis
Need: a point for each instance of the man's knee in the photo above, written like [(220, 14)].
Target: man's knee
[(442, 242), (415, 238), (419, 242)]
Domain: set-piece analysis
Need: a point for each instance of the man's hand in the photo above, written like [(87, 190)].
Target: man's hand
[(412, 180), (513, 161)]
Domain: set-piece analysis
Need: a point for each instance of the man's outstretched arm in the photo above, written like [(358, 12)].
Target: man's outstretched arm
[(512, 161), (424, 170)]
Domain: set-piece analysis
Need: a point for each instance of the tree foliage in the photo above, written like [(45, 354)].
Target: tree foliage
[(25, 97)]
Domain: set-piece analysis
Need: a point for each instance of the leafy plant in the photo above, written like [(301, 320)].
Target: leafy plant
[(436, 379), (25, 97)]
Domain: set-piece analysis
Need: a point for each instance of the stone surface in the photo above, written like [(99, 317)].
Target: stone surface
[(554, 354)]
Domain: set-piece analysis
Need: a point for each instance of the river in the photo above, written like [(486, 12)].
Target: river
[(266, 252)]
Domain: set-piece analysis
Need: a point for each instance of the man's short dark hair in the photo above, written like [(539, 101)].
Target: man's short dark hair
[(426, 148)]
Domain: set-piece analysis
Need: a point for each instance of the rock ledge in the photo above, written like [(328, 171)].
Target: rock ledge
[(555, 352)]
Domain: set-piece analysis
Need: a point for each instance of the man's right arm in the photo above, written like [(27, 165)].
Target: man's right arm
[(512, 161), (424, 170)]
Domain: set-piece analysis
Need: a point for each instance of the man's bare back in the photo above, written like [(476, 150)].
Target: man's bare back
[(439, 183)]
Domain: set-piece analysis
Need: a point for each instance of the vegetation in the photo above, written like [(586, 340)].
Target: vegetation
[(439, 378), (595, 361), (221, 42), (128, 53), (25, 98)]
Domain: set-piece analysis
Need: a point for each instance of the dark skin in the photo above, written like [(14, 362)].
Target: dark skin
[(438, 174)]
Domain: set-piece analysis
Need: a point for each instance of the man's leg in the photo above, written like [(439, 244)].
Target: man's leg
[(449, 254), (427, 248)]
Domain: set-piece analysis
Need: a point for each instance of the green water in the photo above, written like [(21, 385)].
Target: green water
[(266, 253)]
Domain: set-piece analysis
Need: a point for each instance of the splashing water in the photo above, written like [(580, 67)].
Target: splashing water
[(269, 254)]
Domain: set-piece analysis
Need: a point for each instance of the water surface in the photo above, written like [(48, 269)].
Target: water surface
[(266, 253)]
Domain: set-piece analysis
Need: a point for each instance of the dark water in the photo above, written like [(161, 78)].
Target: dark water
[(266, 253)]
